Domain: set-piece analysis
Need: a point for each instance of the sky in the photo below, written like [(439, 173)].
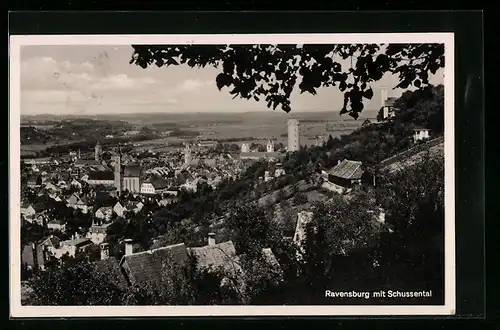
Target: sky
[(88, 80)]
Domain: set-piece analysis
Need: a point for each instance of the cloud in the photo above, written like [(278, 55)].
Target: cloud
[(194, 84), (44, 73), (122, 82)]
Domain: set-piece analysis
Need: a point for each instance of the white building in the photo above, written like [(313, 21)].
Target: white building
[(270, 146), (387, 104), (420, 134), (97, 233), (293, 135), (245, 147)]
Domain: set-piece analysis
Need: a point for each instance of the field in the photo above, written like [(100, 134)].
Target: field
[(256, 127)]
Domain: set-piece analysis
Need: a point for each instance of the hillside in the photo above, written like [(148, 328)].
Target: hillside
[(434, 147)]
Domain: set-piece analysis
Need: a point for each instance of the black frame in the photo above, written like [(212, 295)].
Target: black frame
[(469, 74)]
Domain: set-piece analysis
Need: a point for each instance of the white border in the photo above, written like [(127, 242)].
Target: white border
[(17, 310)]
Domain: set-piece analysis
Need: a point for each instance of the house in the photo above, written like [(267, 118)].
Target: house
[(131, 178), (75, 183), (55, 197), (39, 254), (420, 134), (168, 200), (34, 181), (40, 161), (40, 218), (106, 178), (104, 213), (97, 233), (217, 257), (344, 176), (52, 187), (148, 266), (207, 144), (80, 163), (387, 105), (154, 186), (28, 211), (119, 209), (259, 155), (82, 204), (62, 184), (57, 225), (134, 206), (72, 201), (74, 246)]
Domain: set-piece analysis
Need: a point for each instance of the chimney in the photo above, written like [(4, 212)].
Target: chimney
[(129, 249), (104, 251), (211, 239), (338, 162)]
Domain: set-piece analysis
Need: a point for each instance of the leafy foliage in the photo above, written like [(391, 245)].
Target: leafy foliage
[(78, 284), (271, 72)]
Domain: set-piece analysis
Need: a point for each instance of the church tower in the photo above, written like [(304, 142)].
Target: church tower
[(118, 169), (98, 152)]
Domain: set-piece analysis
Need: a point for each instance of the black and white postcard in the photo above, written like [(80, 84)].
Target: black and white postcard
[(231, 175)]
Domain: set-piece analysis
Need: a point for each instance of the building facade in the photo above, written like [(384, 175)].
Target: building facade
[(131, 178)]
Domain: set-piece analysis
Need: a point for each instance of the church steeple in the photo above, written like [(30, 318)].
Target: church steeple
[(98, 152)]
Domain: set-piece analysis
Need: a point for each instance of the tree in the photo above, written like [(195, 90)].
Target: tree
[(272, 71), (80, 284), (251, 229)]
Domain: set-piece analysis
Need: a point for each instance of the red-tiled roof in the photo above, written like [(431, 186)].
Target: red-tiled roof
[(147, 266), (347, 169)]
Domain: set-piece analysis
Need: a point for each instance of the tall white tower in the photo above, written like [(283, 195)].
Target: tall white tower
[(293, 135), (383, 97), (187, 154)]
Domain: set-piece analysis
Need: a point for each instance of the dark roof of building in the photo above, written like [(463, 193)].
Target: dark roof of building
[(87, 162), (159, 183), (78, 241), (132, 204), (147, 266), (213, 257), (132, 170), (347, 169), (29, 254), (102, 175), (111, 269), (54, 241)]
